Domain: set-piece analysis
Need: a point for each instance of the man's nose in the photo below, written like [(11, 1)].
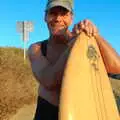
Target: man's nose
[(58, 17)]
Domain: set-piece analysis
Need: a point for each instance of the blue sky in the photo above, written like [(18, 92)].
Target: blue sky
[(104, 13)]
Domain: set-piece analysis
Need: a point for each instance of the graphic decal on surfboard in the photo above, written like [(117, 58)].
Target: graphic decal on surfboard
[(93, 56)]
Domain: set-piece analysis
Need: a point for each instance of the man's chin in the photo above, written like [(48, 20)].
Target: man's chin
[(58, 33)]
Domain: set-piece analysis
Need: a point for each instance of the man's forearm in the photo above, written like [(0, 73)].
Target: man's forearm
[(110, 57)]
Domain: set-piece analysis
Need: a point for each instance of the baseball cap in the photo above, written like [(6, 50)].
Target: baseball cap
[(68, 4)]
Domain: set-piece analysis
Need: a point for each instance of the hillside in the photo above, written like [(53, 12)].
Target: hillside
[(18, 87), (17, 84)]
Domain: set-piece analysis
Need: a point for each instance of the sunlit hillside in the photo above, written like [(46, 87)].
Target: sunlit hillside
[(18, 86)]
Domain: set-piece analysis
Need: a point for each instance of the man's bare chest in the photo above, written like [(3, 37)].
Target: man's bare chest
[(53, 53)]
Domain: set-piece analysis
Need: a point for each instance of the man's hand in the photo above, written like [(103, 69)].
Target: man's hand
[(87, 26)]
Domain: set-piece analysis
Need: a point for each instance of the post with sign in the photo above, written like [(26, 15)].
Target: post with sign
[(25, 27)]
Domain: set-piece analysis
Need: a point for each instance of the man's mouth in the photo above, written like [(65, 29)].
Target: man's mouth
[(57, 28), (56, 25)]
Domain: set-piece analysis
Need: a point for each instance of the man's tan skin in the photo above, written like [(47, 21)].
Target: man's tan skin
[(48, 70)]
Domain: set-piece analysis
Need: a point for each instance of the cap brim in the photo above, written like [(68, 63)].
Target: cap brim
[(59, 3)]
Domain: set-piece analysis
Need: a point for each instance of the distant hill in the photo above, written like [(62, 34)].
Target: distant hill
[(17, 84)]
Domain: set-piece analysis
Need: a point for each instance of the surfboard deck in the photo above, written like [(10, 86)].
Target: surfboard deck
[(86, 92)]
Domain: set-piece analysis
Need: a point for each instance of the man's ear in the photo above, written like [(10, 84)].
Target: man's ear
[(71, 20), (45, 17)]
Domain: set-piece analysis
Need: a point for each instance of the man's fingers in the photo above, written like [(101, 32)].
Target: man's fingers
[(90, 28), (95, 31), (76, 29), (86, 26), (86, 22)]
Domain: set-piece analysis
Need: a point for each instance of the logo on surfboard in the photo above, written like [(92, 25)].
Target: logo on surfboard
[(93, 56)]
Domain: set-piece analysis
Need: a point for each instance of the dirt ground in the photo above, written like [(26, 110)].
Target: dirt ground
[(17, 98), (25, 113)]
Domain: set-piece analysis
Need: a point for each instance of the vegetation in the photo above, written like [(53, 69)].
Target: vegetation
[(17, 84)]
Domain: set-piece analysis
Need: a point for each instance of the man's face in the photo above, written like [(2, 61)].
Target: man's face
[(58, 20)]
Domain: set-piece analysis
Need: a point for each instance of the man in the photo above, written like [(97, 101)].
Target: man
[(48, 58)]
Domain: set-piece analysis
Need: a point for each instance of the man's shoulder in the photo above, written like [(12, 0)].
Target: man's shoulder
[(35, 47)]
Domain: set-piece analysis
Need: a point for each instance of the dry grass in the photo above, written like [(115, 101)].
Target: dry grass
[(17, 84)]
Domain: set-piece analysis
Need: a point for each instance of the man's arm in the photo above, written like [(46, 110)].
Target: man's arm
[(49, 75), (110, 57)]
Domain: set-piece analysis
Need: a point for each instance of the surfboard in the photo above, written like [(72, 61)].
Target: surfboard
[(86, 92)]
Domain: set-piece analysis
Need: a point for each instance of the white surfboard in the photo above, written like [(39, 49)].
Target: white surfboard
[(86, 92)]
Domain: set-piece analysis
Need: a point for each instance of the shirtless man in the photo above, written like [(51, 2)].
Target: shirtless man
[(48, 58)]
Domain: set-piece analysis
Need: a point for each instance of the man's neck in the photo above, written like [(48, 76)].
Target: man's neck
[(60, 39)]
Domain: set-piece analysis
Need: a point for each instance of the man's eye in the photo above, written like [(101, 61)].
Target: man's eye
[(52, 13), (62, 13)]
